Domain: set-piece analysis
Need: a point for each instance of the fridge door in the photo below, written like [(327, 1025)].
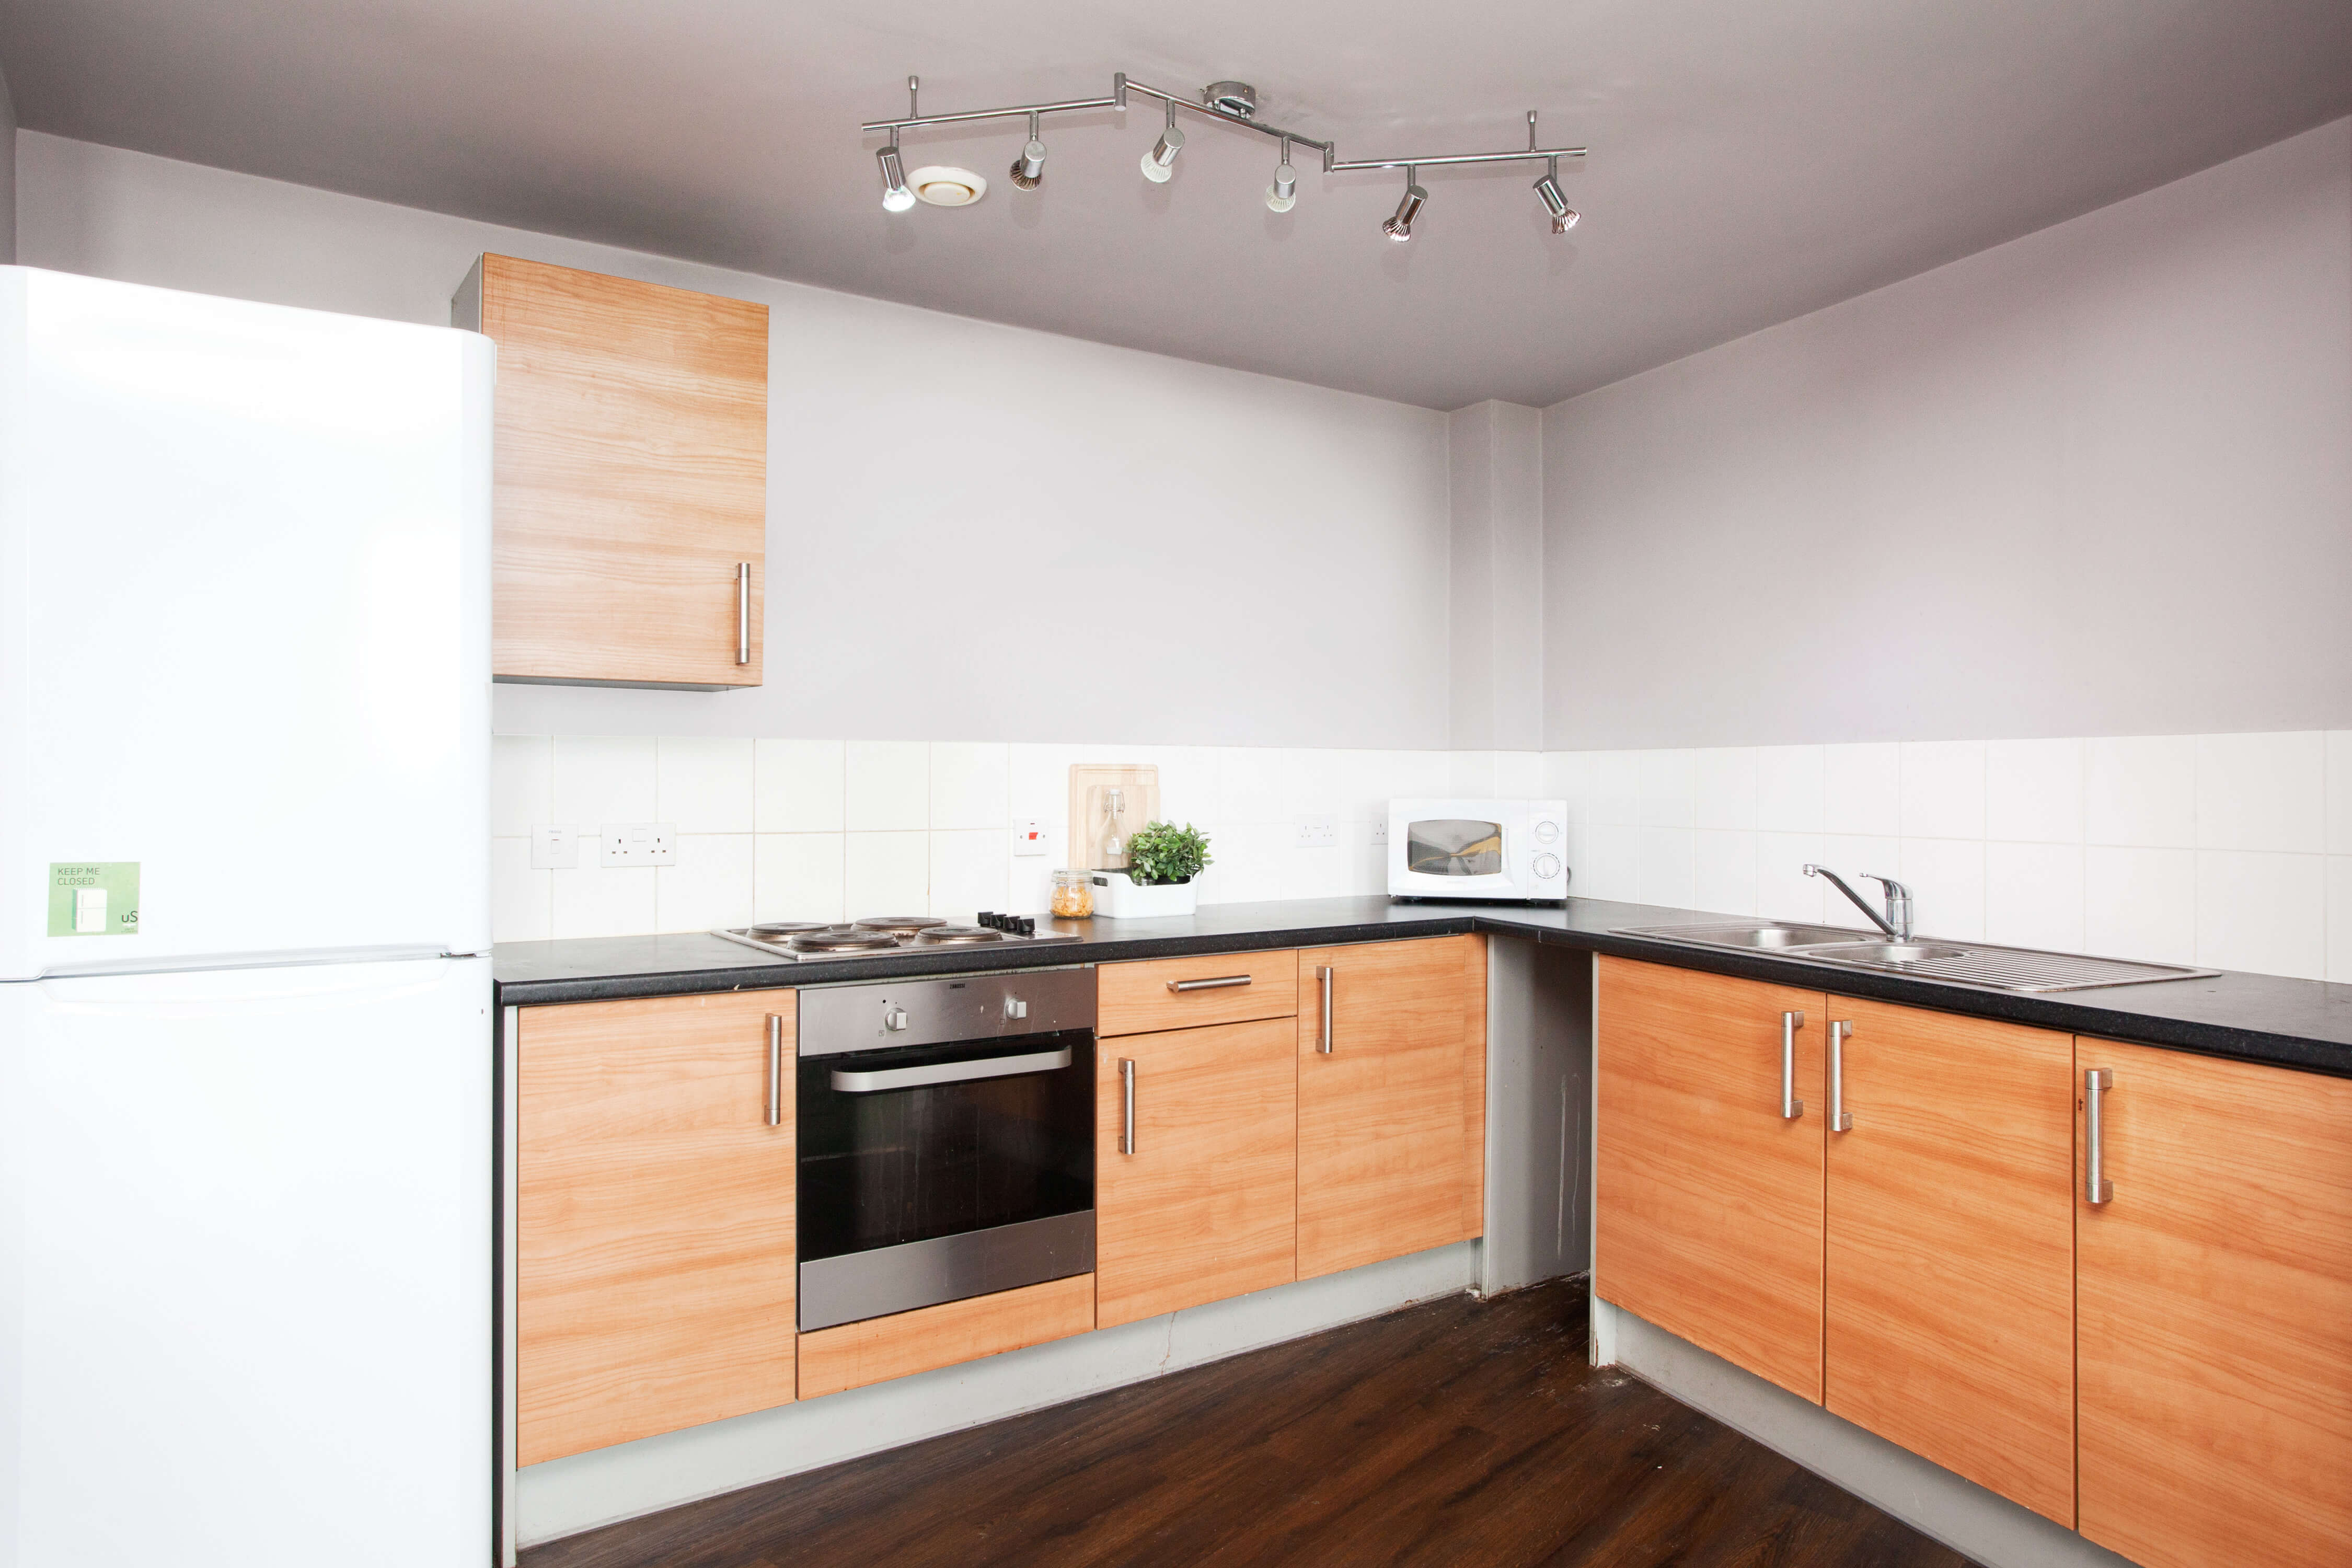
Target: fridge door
[(245, 1301), (244, 629)]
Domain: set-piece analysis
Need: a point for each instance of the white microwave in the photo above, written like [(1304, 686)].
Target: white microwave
[(1508, 850)]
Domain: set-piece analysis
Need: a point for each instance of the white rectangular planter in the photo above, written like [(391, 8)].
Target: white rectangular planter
[(1118, 895)]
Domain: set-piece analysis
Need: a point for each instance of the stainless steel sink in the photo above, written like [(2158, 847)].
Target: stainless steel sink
[(1962, 964)]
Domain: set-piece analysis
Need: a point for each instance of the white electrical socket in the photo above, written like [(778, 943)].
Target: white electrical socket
[(554, 847), (639, 844), (1029, 838), (1381, 831), (1318, 832)]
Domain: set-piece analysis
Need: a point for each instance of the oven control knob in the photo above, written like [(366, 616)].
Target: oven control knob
[(1547, 868), (1546, 832), (893, 1018), (1015, 1008)]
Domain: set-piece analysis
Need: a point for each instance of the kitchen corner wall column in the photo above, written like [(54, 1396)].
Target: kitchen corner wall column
[(1495, 484)]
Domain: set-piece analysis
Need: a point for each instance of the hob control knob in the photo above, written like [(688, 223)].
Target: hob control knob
[(1015, 1008), (893, 1018)]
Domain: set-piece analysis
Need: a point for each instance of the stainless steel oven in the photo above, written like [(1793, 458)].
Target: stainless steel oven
[(946, 1139)]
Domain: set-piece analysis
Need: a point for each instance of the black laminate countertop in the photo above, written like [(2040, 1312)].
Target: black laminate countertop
[(2255, 1017)]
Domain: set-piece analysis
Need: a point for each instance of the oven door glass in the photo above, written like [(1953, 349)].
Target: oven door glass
[(920, 1142), (1456, 847)]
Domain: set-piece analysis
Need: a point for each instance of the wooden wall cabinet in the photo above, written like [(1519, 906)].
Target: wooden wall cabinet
[(1392, 1116), (630, 477), (2213, 1301), (1708, 1208), (1949, 1310), (1206, 1205), (654, 1225)]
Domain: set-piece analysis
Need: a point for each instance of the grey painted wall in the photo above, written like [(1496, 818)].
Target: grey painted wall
[(2095, 481), (975, 531), (8, 174), (1496, 588)]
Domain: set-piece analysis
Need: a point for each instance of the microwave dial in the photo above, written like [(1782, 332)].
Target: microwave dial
[(1548, 833), (1547, 868)]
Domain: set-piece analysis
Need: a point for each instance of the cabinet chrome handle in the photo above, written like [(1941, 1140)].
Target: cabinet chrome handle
[(1219, 983), (775, 1070), (2096, 1188), (1323, 977), (742, 612), (1127, 1103), (1840, 1120), (1791, 1106)]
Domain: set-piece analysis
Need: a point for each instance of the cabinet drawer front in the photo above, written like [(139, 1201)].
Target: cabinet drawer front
[(1142, 998), (1708, 1201), (903, 1343), (2213, 1301), (1206, 1206)]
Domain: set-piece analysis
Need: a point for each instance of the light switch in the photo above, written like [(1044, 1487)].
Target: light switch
[(90, 912), (554, 847)]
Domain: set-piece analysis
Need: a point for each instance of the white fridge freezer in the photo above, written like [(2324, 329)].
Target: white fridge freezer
[(246, 1050)]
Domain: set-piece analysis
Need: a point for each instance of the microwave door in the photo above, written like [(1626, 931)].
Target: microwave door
[(1461, 849)]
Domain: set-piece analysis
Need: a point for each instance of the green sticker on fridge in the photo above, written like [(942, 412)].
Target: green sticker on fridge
[(94, 897)]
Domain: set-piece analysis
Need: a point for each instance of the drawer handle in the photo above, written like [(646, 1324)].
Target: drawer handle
[(1841, 1120), (2096, 1188), (1127, 1097), (775, 1070), (1219, 983), (1791, 1106), (1323, 978), (742, 612)]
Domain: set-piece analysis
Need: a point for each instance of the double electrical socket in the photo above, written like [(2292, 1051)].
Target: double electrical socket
[(556, 848), (1319, 832)]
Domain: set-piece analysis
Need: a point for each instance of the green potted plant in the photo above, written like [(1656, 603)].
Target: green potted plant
[(1162, 859)]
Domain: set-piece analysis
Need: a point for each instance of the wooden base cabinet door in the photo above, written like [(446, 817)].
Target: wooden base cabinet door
[(1950, 1258), (1196, 1162), (1710, 1131), (654, 1226), (1392, 1099), (2213, 1301)]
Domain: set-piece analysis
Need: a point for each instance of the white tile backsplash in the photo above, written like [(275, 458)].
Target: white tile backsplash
[(2261, 791), (2068, 844), (703, 784), (2265, 911), (2140, 790), (2033, 792), (522, 784), (798, 787), (887, 787), (708, 885), (1943, 789), (597, 779), (970, 785), (1862, 789)]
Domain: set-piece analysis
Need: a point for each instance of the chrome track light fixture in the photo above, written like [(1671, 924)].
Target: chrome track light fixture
[(1233, 103), (895, 195)]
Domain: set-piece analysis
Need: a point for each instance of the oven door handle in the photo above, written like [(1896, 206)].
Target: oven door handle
[(947, 1072)]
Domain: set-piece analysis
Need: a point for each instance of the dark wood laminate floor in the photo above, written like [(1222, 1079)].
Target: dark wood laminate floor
[(1458, 1432)]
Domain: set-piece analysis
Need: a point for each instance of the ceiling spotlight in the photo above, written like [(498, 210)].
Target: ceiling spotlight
[(1283, 195), (1399, 226), (1161, 162), (1563, 217), (895, 196), (1029, 169)]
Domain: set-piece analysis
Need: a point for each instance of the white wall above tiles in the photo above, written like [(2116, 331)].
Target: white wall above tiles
[(2232, 851)]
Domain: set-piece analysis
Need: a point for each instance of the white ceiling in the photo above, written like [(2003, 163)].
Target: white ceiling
[(1749, 161)]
